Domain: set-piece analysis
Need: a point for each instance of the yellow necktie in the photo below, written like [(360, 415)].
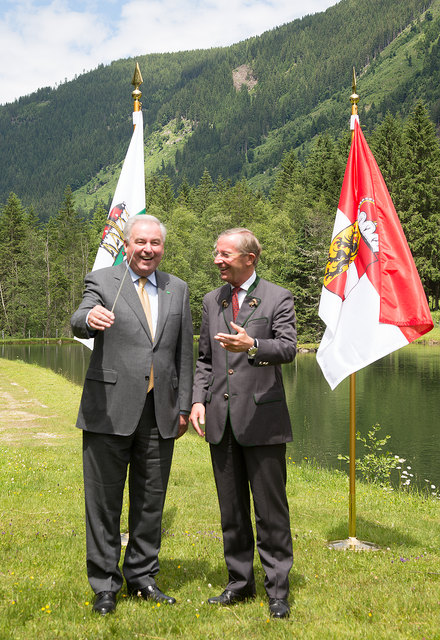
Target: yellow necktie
[(145, 301)]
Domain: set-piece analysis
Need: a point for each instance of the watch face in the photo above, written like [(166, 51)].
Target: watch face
[(253, 350)]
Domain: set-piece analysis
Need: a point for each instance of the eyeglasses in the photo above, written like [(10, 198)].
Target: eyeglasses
[(224, 255)]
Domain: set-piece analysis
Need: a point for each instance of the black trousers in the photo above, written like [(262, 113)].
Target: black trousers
[(263, 468), (106, 459)]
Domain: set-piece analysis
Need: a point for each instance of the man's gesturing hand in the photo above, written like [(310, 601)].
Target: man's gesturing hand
[(237, 342)]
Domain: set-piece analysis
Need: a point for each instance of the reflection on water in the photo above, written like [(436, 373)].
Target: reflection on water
[(70, 360), (399, 392)]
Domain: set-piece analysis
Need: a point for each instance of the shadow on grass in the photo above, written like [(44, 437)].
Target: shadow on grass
[(209, 574), (168, 518), (373, 532), (210, 578)]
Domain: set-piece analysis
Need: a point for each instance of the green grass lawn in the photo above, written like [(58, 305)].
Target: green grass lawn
[(391, 593)]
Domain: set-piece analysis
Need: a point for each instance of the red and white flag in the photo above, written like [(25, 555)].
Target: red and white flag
[(372, 301)]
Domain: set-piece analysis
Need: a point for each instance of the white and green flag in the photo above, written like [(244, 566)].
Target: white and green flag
[(128, 199)]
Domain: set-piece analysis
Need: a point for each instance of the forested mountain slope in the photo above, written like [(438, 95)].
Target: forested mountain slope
[(299, 78)]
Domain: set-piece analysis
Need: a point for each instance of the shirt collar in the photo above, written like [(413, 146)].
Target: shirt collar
[(135, 277), (245, 286)]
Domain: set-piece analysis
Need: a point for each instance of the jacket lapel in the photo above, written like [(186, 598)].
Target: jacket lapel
[(164, 300), (130, 296), (225, 303), (248, 308)]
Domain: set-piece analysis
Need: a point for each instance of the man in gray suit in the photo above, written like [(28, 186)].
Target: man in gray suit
[(136, 401), (247, 333)]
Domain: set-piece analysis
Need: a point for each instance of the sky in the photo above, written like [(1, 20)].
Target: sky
[(45, 42)]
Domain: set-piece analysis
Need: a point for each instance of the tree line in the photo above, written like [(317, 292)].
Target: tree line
[(43, 263)]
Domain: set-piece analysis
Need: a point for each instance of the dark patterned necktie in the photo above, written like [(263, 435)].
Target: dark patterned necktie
[(235, 306)]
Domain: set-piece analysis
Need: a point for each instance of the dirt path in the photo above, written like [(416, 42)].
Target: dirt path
[(22, 417)]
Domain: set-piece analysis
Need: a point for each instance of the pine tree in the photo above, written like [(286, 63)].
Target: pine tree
[(68, 257), (34, 295), (324, 172), (204, 194), (387, 146), (419, 198), (290, 174), (13, 282)]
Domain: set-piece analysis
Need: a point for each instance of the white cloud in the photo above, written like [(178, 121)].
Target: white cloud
[(40, 46), (42, 42)]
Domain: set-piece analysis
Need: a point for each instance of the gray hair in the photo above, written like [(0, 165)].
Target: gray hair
[(143, 217), (247, 242)]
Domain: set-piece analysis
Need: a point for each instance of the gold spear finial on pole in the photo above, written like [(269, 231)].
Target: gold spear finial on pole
[(354, 98), (353, 85), (136, 94)]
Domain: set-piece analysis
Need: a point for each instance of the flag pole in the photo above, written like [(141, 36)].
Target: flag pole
[(354, 99), (137, 106), (352, 543)]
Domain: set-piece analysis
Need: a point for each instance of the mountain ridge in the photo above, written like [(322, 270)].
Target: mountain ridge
[(79, 132)]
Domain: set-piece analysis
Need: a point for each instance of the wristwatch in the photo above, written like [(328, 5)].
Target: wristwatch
[(253, 350)]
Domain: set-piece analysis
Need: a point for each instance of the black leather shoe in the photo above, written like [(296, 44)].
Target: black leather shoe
[(152, 592), (230, 597), (279, 608), (105, 602)]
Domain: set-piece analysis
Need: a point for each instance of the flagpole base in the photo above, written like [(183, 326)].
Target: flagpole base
[(353, 544)]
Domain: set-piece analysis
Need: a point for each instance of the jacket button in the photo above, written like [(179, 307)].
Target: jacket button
[(230, 371), (226, 396)]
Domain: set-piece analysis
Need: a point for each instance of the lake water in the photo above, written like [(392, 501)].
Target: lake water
[(399, 392)]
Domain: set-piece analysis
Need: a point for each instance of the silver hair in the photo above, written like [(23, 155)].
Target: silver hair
[(247, 242), (143, 217)]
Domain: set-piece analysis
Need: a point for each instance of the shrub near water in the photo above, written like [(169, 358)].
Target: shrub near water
[(44, 593), (375, 466)]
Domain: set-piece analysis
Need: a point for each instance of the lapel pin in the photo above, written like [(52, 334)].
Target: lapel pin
[(254, 302), (225, 304)]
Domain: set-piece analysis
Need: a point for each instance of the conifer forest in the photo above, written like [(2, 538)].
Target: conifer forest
[(253, 135)]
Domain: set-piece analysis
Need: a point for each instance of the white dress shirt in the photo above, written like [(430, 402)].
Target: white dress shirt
[(151, 289), (244, 288)]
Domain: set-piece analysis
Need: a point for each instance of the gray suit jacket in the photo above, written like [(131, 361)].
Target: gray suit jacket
[(250, 390), (116, 382)]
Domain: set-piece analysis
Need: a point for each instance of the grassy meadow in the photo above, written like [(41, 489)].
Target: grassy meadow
[(390, 593)]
